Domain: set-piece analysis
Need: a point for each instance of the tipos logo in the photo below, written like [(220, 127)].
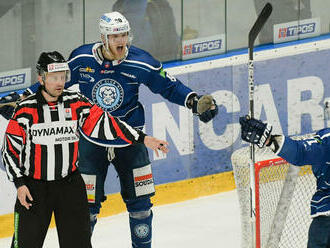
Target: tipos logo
[(108, 94)]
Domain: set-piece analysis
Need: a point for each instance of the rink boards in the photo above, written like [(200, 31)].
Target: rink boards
[(293, 84)]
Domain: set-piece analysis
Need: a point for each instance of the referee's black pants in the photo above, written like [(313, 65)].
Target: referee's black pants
[(68, 200)]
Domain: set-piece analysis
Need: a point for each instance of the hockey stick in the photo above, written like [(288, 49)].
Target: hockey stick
[(255, 30), (13, 104)]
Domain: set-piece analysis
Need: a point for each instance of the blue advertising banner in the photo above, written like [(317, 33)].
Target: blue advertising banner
[(15, 80)]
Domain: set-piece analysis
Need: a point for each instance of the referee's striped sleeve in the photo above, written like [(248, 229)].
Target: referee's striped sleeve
[(102, 125), (11, 151)]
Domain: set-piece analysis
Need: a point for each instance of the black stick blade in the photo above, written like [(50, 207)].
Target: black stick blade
[(261, 20)]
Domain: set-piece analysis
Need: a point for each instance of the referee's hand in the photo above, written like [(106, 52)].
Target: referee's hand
[(23, 193)]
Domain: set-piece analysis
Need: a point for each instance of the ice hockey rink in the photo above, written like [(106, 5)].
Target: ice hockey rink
[(211, 221)]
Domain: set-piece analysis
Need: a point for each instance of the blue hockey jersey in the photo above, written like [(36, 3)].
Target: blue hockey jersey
[(114, 85), (314, 152)]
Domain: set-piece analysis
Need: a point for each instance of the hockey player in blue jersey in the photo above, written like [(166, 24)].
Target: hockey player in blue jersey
[(110, 73), (312, 151)]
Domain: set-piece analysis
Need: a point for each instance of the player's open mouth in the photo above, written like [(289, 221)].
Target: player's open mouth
[(120, 49)]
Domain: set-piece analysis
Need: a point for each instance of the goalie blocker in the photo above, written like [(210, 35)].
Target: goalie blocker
[(308, 151)]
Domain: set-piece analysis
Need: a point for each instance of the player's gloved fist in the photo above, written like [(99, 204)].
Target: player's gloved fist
[(8, 104), (12, 97), (205, 107), (254, 131)]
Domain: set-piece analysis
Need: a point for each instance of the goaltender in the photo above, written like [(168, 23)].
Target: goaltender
[(40, 153), (309, 151)]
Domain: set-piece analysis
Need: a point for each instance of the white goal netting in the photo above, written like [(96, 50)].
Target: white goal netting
[(283, 194)]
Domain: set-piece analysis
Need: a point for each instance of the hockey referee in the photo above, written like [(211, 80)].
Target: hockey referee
[(40, 153)]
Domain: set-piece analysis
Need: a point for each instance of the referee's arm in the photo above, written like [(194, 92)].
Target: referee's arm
[(11, 152), (102, 125)]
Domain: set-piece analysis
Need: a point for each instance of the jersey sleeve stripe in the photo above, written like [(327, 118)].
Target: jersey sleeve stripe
[(75, 156), (144, 64), (107, 130), (37, 159), (13, 147), (12, 172), (14, 129), (119, 131), (80, 55), (12, 153), (94, 117), (10, 161)]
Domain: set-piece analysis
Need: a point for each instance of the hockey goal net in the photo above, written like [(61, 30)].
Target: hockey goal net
[(282, 205)]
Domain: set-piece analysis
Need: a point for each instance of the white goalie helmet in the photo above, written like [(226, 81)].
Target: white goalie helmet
[(114, 23)]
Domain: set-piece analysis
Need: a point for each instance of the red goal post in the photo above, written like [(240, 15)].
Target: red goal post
[(282, 193)]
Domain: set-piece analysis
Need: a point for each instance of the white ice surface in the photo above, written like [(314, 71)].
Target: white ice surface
[(206, 222)]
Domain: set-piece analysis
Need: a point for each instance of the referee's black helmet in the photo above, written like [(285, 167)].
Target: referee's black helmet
[(47, 58), (52, 62)]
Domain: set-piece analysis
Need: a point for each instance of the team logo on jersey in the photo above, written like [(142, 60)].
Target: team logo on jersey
[(108, 94)]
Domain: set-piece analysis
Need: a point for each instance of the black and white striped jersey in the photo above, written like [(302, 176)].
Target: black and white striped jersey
[(41, 140)]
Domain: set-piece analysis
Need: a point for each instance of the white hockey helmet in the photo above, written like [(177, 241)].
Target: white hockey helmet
[(113, 23)]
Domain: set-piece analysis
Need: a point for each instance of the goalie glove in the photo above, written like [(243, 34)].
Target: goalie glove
[(254, 131), (205, 107), (8, 104)]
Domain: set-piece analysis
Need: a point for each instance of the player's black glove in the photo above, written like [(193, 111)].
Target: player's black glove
[(254, 131), (205, 107), (7, 104), (12, 97), (7, 111)]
